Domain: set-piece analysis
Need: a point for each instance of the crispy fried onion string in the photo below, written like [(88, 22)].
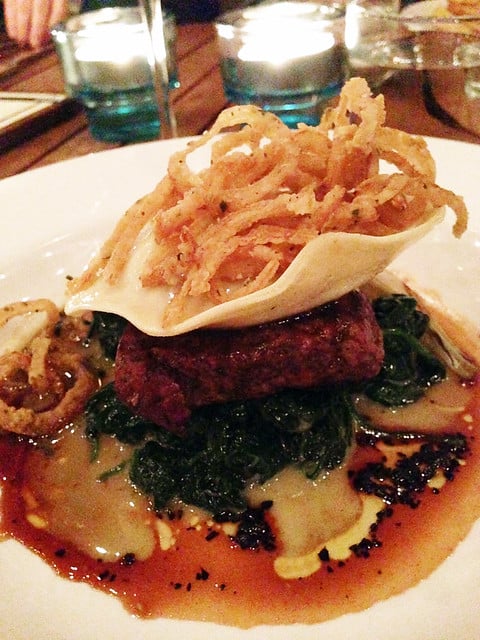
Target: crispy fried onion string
[(234, 227), (44, 385)]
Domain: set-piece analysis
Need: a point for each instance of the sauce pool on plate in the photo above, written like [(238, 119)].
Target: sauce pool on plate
[(193, 569)]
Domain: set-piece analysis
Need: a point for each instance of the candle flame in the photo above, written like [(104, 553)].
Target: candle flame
[(282, 45), (113, 43)]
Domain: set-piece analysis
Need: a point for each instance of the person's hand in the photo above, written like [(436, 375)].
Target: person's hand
[(28, 21)]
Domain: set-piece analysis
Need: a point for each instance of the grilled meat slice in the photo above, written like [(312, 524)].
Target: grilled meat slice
[(163, 379)]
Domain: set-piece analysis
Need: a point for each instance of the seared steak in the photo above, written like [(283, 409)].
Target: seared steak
[(162, 379)]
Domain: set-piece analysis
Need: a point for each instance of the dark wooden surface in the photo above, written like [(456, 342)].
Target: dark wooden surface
[(196, 103)]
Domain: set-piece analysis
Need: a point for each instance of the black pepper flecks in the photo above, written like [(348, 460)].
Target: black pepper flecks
[(402, 483), (362, 549), (211, 535), (254, 532), (324, 555), (128, 560), (202, 575)]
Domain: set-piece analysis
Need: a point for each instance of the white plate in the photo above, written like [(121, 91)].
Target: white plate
[(52, 220)]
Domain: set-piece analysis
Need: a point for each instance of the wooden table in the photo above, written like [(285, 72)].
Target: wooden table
[(196, 104)]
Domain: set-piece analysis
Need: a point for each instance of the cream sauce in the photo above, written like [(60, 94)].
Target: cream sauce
[(65, 495), (307, 513), (434, 412)]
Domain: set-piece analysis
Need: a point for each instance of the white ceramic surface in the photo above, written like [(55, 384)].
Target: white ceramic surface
[(51, 221)]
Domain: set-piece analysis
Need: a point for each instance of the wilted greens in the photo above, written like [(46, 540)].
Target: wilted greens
[(229, 445), (408, 367)]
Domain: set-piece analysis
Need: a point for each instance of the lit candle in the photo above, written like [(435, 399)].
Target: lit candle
[(114, 57), (282, 54), (279, 33)]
